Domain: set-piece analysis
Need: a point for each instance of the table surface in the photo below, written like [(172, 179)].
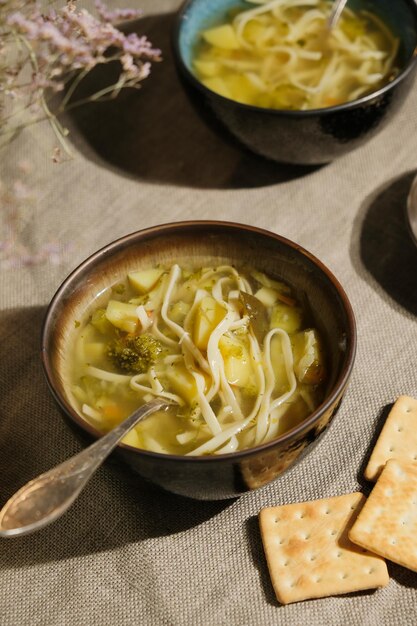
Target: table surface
[(126, 553)]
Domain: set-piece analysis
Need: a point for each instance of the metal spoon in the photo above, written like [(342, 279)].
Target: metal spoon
[(44, 499), (335, 13), (412, 210)]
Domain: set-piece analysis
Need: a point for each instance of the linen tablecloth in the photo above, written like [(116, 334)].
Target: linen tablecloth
[(127, 553)]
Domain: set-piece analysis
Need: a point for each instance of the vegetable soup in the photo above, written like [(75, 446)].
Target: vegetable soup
[(236, 351), (281, 55)]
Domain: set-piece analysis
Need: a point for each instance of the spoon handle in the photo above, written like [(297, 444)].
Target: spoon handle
[(45, 498), (335, 13)]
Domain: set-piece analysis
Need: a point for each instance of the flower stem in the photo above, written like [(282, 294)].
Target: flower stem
[(58, 129)]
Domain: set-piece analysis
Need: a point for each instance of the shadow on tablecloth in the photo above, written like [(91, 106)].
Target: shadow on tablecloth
[(116, 508), (155, 133), (381, 246), (258, 557)]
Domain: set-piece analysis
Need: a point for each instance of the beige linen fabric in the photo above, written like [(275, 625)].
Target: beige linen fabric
[(126, 554)]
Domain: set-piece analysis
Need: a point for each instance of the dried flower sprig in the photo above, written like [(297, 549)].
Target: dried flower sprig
[(45, 52)]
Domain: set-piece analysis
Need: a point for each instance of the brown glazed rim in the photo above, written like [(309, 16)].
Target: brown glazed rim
[(186, 227)]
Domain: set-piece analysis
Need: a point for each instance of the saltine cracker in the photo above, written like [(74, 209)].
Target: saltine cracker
[(398, 438), (308, 551), (387, 523)]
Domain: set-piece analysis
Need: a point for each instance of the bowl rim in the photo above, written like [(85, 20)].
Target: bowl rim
[(345, 106), (177, 228)]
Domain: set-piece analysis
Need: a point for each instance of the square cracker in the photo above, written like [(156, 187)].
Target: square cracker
[(387, 524), (398, 438), (308, 551)]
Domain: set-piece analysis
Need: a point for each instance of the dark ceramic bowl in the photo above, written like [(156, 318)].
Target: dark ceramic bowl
[(300, 137), (219, 476)]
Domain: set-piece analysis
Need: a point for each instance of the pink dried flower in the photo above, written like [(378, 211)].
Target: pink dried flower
[(116, 15), (61, 46)]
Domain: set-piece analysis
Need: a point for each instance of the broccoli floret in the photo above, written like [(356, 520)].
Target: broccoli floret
[(135, 354)]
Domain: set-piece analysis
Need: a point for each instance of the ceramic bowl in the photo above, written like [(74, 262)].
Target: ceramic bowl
[(218, 476), (299, 137)]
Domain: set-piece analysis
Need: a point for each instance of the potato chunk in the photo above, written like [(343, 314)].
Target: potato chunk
[(289, 318), (208, 315), (218, 85), (182, 383), (207, 68), (122, 315), (144, 280), (242, 89), (237, 364), (179, 311), (222, 37), (267, 296)]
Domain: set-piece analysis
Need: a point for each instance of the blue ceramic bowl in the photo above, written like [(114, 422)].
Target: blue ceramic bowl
[(301, 137)]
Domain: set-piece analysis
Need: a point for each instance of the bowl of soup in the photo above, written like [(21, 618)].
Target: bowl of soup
[(249, 335), (278, 80)]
